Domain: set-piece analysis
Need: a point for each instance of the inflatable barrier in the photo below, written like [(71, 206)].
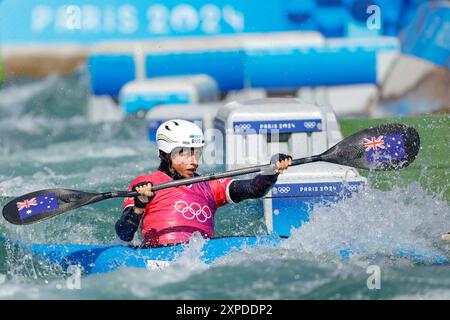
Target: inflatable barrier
[(146, 94), (272, 61)]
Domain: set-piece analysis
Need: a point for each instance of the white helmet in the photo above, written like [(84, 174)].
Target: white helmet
[(178, 133)]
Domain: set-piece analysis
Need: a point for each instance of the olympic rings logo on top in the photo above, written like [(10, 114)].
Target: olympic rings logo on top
[(193, 210)]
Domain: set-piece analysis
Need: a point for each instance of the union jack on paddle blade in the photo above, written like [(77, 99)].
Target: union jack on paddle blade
[(37, 205), (385, 148)]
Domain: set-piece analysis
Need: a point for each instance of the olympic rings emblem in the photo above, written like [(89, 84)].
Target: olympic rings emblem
[(284, 189), (309, 124), (242, 127), (193, 210)]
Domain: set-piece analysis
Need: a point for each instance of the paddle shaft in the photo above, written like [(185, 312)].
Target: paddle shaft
[(212, 176)]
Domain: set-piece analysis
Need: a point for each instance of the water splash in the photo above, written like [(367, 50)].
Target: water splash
[(376, 222)]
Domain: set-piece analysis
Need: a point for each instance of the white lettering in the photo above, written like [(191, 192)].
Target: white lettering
[(374, 21), (210, 15), (234, 18), (193, 310), (213, 150), (73, 14), (74, 280), (62, 18), (91, 18), (109, 21), (128, 22), (374, 281), (184, 18), (41, 17), (158, 16)]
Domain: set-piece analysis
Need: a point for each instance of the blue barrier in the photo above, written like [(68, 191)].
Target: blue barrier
[(310, 67), (270, 66), (226, 67), (110, 72)]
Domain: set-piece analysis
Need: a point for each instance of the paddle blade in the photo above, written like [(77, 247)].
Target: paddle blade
[(386, 147), (44, 204)]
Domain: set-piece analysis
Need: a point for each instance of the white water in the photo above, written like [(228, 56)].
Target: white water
[(102, 157), (304, 265)]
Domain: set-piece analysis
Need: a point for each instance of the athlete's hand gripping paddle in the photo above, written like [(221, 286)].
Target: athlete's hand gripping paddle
[(386, 147)]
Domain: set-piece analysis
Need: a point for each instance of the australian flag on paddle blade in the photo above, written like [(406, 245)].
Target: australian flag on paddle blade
[(37, 205), (385, 148)]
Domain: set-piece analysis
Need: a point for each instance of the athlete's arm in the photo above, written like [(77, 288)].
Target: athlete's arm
[(258, 186), (251, 188), (128, 223)]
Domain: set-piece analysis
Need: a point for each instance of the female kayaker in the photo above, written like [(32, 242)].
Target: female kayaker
[(172, 215)]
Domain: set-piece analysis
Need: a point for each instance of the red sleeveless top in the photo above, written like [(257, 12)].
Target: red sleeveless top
[(174, 214)]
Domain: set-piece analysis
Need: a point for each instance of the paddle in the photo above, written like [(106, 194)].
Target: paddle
[(387, 147)]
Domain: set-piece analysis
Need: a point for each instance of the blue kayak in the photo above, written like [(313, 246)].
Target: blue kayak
[(105, 258)]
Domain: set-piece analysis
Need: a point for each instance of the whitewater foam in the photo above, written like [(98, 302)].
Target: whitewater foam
[(375, 222)]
